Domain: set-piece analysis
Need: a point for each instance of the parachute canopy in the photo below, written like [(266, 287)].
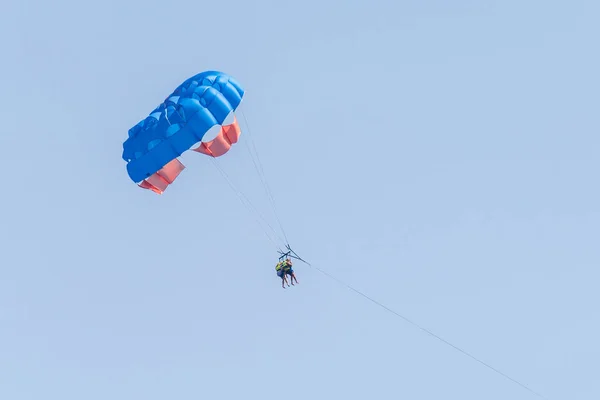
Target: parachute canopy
[(155, 143)]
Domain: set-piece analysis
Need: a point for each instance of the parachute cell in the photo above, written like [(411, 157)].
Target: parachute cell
[(181, 121)]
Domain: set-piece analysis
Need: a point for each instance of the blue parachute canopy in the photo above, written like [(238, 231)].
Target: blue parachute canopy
[(181, 121)]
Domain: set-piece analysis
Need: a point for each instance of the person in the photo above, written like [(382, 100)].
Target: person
[(281, 273), (287, 268)]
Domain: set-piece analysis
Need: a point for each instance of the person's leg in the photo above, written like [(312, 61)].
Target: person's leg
[(282, 276), (284, 280), (292, 275)]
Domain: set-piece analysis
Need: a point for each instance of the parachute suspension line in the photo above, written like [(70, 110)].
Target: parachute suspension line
[(261, 173), (249, 206), (419, 326)]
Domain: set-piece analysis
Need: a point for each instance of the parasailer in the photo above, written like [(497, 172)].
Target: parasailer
[(283, 269), (281, 273), (284, 266), (287, 268)]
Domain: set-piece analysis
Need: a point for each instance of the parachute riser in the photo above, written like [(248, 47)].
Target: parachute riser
[(292, 254)]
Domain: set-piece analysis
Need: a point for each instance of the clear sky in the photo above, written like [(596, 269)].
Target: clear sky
[(439, 156)]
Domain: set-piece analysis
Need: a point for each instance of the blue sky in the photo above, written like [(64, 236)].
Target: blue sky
[(441, 157)]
